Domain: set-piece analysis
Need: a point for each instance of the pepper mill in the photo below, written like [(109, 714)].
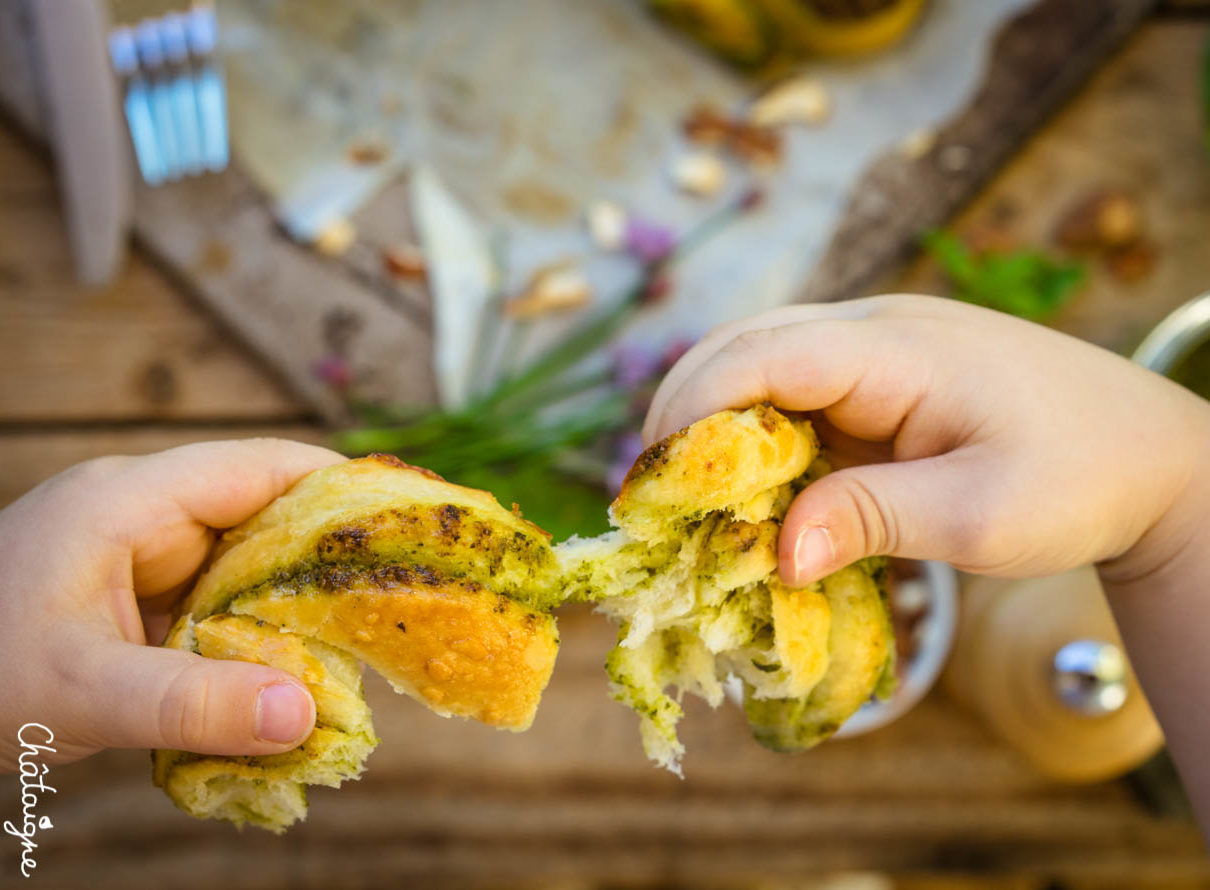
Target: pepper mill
[(1041, 661)]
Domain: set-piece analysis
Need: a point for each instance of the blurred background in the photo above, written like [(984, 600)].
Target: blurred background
[(476, 234)]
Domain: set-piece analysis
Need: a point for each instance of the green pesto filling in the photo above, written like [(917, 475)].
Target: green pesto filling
[(307, 577)]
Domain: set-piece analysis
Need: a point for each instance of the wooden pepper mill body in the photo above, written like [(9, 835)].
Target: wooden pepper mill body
[(1003, 667)]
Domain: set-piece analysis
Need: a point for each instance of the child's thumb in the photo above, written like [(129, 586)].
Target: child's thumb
[(148, 697), (920, 509)]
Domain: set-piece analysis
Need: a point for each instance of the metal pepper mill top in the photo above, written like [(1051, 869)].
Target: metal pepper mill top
[(1090, 677)]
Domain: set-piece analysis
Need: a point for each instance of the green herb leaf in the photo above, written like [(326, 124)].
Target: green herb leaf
[(1025, 283)]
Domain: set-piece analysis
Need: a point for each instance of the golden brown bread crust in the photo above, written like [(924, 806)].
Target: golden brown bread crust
[(740, 553), (457, 647), (719, 463), (378, 510), (357, 551), (435, 586)]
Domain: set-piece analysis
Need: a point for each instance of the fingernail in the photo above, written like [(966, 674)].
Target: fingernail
[(283, 713), (813, 554)]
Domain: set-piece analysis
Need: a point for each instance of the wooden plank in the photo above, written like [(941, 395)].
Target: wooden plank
[(1039, 60), (30, 456), (1138, 127)]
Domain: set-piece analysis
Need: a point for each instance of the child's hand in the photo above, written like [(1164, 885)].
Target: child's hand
[(999, 446), (93, 561), (965, 435)]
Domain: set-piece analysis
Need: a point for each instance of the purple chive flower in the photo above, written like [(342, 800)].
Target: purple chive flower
[(633, 365), (627, 449), (648, 241), (333, 370)]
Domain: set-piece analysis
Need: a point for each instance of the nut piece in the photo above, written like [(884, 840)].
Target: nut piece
[(705, 125), (1104, 219), (755, 144), (797, 101), (405, 261), (553, 288), (699, 174)]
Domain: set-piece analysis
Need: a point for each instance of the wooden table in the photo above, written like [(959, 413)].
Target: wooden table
[(933, 802)]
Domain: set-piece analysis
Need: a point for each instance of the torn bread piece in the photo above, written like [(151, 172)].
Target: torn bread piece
[(691, 577), (435, 586)]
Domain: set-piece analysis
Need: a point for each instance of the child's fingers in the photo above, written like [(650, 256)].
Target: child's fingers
[(654, 428), (922, 509), (176, 497), (220, 484), (847, 367), (131, 696), (775, 364)]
